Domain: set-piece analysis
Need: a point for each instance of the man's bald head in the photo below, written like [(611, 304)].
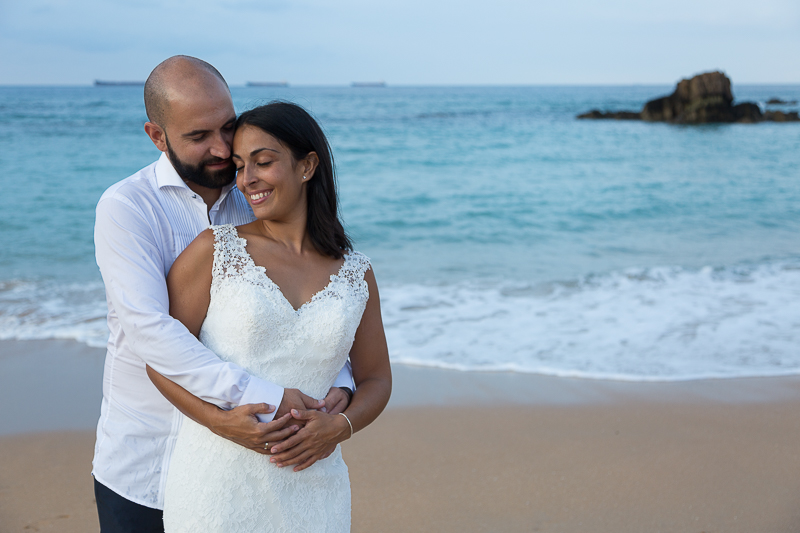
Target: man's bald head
[(173, 76)]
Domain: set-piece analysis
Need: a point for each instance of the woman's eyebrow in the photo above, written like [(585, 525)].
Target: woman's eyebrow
[(254, 152), (257, 150)]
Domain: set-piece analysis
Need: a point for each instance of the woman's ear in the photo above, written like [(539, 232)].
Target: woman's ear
[(309, 165)]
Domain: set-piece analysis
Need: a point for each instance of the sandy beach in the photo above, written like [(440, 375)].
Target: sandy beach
[(482, 452)]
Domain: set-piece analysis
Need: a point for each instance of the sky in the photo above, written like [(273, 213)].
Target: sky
[(409, 42)]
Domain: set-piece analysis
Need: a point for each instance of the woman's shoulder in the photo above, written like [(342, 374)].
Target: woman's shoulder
[(201, 245), (358, 273), (356, 257), (356, 265), (245, 231), (209, 242), (228, 233), (194, 259), (220, 232)]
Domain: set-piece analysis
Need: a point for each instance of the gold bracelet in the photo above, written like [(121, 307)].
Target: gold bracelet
[(348, 423)]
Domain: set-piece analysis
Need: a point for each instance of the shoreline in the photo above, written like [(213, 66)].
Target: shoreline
[(463, 451), (61, 384)]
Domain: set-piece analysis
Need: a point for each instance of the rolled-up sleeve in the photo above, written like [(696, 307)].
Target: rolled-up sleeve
[(133, 269)]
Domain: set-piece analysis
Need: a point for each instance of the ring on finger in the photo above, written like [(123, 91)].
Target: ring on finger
[(266, 445)]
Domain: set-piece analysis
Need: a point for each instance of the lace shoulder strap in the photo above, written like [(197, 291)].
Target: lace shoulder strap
[(355, 266), (230, 256)]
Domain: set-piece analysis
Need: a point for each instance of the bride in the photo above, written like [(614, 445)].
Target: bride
[(286, 298)]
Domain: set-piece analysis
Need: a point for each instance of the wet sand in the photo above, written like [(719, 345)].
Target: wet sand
[(482, 452)]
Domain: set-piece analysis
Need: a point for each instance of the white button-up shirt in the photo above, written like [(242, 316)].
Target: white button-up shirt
[(143, 223)]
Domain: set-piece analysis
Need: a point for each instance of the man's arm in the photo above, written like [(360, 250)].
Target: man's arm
[(132, 267), (239, 425)]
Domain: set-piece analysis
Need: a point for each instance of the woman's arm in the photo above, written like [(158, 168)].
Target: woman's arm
[(373, 377)]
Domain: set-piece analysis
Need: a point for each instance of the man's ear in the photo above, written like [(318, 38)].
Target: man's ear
[(157, 135)]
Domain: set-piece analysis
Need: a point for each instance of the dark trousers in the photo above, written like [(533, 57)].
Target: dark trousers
[(120, 515)]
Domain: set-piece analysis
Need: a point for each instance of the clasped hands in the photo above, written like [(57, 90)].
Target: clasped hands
[(303, 431)]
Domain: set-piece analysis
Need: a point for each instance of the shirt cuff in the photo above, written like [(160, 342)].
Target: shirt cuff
[(260, 391), (345, 377)]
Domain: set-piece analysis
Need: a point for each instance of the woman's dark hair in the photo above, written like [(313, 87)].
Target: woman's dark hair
[(297, 130)]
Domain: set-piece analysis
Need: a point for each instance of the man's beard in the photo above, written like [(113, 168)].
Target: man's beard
[(199, 174)]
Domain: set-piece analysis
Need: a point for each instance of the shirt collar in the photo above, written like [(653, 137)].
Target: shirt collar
[(166, 176)]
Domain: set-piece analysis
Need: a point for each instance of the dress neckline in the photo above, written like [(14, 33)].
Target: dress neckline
[(271, 283)]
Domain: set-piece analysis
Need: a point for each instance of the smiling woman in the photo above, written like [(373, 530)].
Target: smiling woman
[(286, 298), (302, 141)]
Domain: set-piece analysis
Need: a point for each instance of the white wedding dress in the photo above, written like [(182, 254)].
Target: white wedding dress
[(214, 485)]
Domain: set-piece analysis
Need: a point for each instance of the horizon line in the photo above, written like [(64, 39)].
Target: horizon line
[(387, 85)]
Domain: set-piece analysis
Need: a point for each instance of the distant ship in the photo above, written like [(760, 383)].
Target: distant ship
[(267, 83), (368, 84), (101, 83)]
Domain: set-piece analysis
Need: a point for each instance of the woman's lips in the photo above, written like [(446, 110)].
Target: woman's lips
[(259, 197)]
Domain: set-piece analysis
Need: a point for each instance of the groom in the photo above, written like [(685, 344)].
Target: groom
[(143, 223)]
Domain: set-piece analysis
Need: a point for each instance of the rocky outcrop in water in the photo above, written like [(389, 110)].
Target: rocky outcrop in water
[(780, 116), (618, 115), (778, 101), (704, 99)]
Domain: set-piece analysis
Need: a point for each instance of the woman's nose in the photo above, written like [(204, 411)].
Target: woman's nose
[(244, 177)]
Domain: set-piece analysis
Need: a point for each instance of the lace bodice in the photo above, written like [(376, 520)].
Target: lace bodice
[(214, 485), (252, 324)]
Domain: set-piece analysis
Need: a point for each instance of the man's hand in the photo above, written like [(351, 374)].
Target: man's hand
[(294, 399), (315, 441), (336, 401), (241, 426)]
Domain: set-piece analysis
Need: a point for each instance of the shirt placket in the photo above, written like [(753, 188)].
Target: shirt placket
[(216, 209), (205, 217)]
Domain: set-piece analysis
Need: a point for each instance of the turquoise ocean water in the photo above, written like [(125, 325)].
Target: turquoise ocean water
[(505, 234)]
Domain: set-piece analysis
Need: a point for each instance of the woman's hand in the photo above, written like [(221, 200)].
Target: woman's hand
[(315, 441)]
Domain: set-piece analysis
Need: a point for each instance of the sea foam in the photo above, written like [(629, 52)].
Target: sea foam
[(654, 324), (46, 309)]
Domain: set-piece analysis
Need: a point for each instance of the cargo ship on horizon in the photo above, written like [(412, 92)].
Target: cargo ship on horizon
[(105, 83), (267, 84), (368, 84)]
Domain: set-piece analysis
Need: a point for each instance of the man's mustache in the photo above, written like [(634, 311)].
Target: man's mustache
[(215, 161)]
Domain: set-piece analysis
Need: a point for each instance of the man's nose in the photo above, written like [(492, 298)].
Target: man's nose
[(221, 146)]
